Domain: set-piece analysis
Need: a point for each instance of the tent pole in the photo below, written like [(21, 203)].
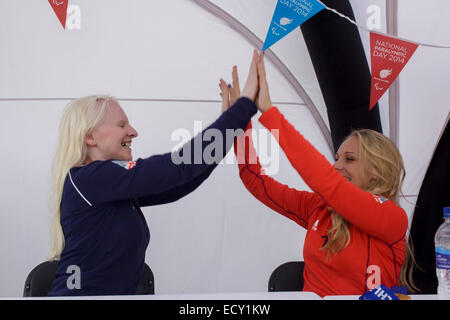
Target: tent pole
[(394, 90)]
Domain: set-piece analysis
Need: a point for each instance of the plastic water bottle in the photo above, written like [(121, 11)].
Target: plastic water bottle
[(442, 245)]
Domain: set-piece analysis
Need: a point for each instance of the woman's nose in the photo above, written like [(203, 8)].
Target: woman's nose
[(338, 165)]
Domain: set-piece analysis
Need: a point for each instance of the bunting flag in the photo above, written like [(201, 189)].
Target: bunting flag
[(60, 9), (288, 15), (388, 57)]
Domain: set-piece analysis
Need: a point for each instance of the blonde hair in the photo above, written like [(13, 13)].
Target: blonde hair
[(79, 118), (381, 156)]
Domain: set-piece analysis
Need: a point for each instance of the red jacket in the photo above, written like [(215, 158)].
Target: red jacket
[(377, 227)]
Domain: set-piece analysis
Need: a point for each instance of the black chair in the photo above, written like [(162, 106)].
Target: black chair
[(39, 281), (146, 284), (287, 277)]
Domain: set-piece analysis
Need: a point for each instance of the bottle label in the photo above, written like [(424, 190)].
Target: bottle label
[(442, 258)]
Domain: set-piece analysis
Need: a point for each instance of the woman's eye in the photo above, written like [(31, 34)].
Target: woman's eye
[(350, 159)]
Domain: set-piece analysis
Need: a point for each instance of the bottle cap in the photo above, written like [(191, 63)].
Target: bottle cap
[(446, 212)]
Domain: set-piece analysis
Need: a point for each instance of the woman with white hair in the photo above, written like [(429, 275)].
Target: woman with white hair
[(98, 190)]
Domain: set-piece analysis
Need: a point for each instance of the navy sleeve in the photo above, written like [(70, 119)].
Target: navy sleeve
[(164, 175)]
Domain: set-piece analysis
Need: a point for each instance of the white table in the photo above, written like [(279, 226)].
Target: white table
[(413, 297), (304, 295), (200, 296)]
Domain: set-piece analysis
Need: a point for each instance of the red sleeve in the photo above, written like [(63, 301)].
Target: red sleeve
[(291, 203), (381, 219)]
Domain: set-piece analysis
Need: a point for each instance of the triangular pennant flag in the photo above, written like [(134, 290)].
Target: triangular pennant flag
[(388, 57), (288, 15), (60, 8)]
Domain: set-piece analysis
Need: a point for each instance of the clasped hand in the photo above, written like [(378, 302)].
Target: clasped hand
[(256, 87)]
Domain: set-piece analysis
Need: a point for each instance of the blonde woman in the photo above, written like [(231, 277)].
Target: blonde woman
[(98, 227), (355, 236)]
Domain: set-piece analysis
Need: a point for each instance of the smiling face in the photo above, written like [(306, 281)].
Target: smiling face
[(349, 164), (111, 138)]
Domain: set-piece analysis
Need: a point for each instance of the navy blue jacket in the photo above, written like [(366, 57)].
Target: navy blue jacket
[(105, 232)]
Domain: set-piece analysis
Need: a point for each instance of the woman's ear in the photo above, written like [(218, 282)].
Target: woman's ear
[(89, 140)]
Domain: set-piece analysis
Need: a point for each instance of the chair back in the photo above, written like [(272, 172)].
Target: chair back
[(287, 277), (146, 284), (39, 281)]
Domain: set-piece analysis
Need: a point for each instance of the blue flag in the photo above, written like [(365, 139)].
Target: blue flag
[(288, 15)]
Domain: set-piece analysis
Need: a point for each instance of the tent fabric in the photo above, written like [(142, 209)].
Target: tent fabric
[(434, 195)]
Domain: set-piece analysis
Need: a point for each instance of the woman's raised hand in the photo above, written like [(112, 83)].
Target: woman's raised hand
[(255, 88), (230, 93), (251, 86), (225, 94)]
